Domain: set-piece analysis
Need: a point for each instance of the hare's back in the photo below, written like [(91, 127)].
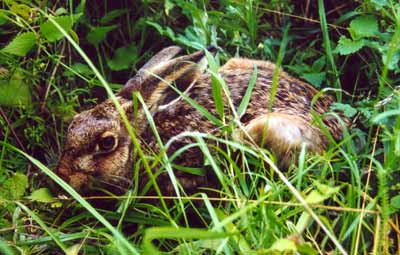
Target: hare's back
[(292, 95)]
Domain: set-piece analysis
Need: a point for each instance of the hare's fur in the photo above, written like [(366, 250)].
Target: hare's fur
[(283, 130)]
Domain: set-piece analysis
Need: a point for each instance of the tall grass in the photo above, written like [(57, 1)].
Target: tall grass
[(343, 201)]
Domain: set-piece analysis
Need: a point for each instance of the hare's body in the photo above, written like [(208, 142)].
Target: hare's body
[(282, 129)]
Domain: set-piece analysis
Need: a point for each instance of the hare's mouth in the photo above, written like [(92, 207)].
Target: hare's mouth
[(109, 183), (79, 181)]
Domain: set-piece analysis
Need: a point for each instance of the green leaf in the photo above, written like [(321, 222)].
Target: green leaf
[(168, 6), (315, 79), (124, 58), (394, 60), (347, 109), (14, 187), (51, 32), (21, 44), (283, 246), (347, 46), (326, 190), (167, 32), (379, 4), (315, 197), (98, 34), (322, 192), (3, 18), (112, 15), (307, 249), (395, 202), (364, 26), (319, 64), (79, 68), (22, 10), (14, 91), (42, 195)]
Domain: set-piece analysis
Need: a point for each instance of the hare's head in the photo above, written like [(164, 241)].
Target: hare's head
[(98, 149)]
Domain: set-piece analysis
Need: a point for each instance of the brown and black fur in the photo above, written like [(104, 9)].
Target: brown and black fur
[(282, 129)]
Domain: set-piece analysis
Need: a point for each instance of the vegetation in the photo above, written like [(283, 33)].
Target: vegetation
[(56, 55)]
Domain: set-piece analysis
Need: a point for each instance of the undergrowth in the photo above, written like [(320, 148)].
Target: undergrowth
[(58, 58)]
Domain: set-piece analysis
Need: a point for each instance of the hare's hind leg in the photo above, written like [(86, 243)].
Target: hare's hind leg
[(284, 134)]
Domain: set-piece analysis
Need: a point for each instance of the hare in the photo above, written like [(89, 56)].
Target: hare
[(99, 150)]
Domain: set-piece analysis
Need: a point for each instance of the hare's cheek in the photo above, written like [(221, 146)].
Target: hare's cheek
[(115, 163)]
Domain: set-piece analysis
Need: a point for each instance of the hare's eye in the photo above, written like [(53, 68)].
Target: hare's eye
[(107, 143)]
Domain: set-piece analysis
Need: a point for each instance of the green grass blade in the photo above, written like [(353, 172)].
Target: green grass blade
[(216, 85), (165, 160), (44, 227), (246, 98), (328, 48), (5, 249), (275, 76), (157, 233)]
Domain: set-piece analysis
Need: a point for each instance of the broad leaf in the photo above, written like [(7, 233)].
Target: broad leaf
[(315, 79), (112, 15), (347, 46), (347, 109), (14, 91), (14, 187), (395, 202), (364, 26), (98, 34), (52, 33), (22, 10), (21, 44), (41, 195), (124, 58)]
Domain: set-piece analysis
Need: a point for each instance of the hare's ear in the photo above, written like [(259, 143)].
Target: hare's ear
[(134, 83), (154, 80)]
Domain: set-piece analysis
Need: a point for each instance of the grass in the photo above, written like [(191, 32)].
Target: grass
[(344, 201)]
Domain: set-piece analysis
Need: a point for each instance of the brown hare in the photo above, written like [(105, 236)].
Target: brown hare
[(98, 148)]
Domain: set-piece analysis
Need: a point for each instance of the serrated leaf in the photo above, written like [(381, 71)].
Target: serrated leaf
[(21, 44), (22, 10), (347, 109), (112, 15), (14, 91), (347, 46), (52, 33), (364, 26), (315, 79), (395, 202), (42, 195), (14, 187), (124, 58), (98, 34)]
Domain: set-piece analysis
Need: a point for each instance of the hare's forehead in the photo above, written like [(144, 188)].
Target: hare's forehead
[(87, 127)]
